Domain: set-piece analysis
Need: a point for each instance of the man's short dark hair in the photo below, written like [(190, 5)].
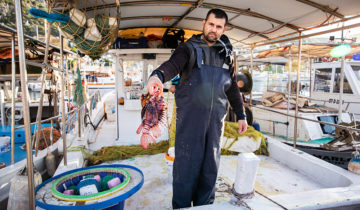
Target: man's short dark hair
[(219, 13)]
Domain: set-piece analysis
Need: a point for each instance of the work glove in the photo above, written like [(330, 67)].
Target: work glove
[(154, 86)]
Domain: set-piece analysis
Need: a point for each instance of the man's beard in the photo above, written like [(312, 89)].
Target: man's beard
[(209, 39)]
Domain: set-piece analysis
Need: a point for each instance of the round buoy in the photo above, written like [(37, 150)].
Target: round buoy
[(244, 82), (50, 163)]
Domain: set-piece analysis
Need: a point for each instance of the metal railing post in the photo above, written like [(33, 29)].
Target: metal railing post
[(297, 90), (62, 96), (25, 103), (13, 80)]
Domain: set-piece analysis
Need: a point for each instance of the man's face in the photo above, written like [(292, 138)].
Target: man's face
[(213, 28)]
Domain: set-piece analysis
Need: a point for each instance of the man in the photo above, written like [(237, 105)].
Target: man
[(207, 81)]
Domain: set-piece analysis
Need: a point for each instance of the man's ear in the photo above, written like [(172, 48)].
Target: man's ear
[(203, 23)]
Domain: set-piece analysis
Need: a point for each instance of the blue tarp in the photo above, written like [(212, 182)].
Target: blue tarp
[(19, 133), (20, 154)]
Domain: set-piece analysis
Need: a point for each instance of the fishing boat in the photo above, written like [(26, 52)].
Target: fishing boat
[(286, 179), (326, 86), (99, 77), (312, 136)]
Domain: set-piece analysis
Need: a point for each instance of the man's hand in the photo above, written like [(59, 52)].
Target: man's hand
[(242, 126), (154, 85)]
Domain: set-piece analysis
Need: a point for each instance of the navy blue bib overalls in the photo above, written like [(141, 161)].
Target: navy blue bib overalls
[(201, 108)]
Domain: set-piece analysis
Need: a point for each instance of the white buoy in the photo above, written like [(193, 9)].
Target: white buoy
[(246, 173), (170, 156), (50, 163)]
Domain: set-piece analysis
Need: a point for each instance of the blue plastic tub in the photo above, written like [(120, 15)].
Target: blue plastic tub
[(115, 203)]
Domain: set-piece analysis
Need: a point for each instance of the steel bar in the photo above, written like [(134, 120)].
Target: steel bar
[(310, 35), (62, 96), (251, 70), (297, 89), (118, 77), (289, 93), (13, 80), (324, 8)]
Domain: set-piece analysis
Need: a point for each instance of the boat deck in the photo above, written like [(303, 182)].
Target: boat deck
[(272, 178), (288, 177)]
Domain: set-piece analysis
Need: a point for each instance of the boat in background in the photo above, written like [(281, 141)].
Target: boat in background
[(99, 78), (326, 86)]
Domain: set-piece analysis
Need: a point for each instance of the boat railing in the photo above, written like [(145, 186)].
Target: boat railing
[(351, 128), (314, 99), (87, 105)]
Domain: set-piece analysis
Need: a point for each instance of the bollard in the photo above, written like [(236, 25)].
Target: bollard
[(245, 179), (246, 173)]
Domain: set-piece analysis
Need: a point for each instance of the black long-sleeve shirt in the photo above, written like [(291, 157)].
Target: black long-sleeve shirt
[(179, 61)]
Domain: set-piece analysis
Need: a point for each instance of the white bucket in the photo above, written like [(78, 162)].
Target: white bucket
[(110, 107), (170, 156), (4, 144)]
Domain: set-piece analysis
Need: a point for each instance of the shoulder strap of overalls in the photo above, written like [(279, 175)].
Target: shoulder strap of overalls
[(188, 71), (198, 54)]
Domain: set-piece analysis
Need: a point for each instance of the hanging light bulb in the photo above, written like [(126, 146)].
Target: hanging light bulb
[(340, 50)]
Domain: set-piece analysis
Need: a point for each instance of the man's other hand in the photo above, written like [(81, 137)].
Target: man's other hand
[(154, 85), (242, 126)]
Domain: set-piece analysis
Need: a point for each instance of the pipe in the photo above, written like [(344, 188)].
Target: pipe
[(79, 110), (311, 35), (251, 70), (289, 93), (297, 89), (13, 80), (25, 103), (341, 91), (310, 67), (68, 84), (117, 69), (62, 96)]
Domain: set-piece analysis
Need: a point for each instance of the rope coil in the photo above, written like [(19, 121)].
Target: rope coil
[(239, 198)]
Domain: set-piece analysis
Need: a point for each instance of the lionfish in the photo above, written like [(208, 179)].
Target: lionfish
[(152, 115)]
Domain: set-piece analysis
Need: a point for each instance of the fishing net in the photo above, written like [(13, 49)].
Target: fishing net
[(78, 93), (93, 25)]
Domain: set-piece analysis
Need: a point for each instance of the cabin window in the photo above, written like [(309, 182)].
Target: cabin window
[(347, 88), (356, 70), (133, 72), (322, 81), (328, 129), (133, 79)]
